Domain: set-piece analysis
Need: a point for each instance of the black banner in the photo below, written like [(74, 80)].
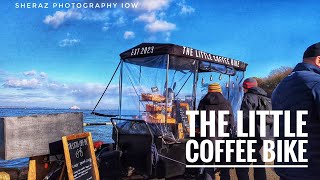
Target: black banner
[(152, 49)]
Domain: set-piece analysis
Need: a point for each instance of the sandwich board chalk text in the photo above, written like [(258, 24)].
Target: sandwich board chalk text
[(80, 157)]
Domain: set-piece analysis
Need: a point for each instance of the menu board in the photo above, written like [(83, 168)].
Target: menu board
[(80, 157)]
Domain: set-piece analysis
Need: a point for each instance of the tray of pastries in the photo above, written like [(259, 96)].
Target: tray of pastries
[(157, 108), (152, 97), (159, 118)]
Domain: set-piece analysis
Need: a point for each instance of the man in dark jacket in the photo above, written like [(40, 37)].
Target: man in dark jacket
[(301, 91), (253, 96), (215, 101)]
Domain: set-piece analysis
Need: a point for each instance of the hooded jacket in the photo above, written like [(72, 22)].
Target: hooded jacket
[(301, 91), (214, 101)]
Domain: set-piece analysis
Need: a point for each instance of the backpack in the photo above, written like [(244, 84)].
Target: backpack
[(265, 104)]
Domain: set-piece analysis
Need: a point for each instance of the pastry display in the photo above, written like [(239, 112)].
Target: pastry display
[(152, 97), (157, 108), (159, 118)]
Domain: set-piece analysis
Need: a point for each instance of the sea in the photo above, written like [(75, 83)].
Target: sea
[(99, 133)]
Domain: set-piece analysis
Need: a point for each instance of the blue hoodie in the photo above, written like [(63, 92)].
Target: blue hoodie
[(301, 91)]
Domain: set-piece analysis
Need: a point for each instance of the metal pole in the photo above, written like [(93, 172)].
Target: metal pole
[(97, 124), (229, 88), (117, 131), (183, 84), (195, 82), (120, 89), (167, 78), (241, 78), (106, 87), (139, 95)]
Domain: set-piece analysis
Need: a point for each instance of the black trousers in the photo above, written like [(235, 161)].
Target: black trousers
[(243, 173)]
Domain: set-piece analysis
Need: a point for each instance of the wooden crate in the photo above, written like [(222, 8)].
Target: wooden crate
[(29, 136)]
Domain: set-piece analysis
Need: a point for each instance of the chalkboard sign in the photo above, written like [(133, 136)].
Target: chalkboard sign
[(80, 157)]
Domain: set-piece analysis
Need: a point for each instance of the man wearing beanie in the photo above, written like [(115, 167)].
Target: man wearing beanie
[(253, 99), (215, 101), (301, 91)]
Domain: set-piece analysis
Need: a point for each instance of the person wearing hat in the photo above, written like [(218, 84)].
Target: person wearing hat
[(253, 99), (215, 101), (301, 91)]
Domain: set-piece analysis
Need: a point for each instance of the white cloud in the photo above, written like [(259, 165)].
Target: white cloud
[(30, 73), (118, 18), (146, 17), (162, 15), (90, 15), (69, 42), (114, 20), (49, 93), (185, 9), (155, 23), (155, 17), (167, 36), (22, 83), (60, 17), (105, 28), (120, 21), (85, 91), (160, 26), (43, 75), (153, 5), (56, 86), (128, 35)]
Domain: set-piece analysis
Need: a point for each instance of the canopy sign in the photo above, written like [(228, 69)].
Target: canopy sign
[(152, 49)]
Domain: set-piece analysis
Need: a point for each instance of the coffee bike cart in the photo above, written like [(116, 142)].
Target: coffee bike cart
[(157, 84)]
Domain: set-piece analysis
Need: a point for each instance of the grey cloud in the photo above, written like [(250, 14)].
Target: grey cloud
[(30, 73), (43, 75)]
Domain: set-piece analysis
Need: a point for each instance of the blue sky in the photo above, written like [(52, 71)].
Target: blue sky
[(60, 57)]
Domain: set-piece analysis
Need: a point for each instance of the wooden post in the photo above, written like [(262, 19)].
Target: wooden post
[(37, 169), (32, 173), (62, 171), (93, 156)]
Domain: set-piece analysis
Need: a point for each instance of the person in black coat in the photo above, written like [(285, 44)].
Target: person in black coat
[(252, 101), (215, 101), (301, 91)]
